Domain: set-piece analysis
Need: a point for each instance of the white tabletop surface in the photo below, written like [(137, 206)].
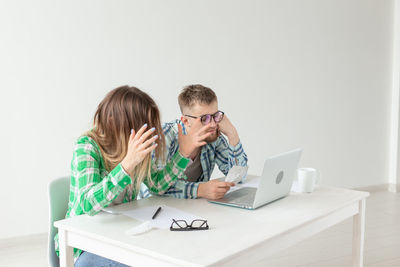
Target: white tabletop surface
[(231, 229)]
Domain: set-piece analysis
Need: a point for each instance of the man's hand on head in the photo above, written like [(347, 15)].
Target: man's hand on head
[(193, 139), (213, 189), (227, 128)]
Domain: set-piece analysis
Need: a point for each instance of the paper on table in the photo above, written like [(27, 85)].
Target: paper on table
[(164, 217)]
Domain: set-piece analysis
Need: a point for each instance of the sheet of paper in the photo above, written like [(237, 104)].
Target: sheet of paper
[(236, 174), (252, 182), (247, 183), (164, 217)]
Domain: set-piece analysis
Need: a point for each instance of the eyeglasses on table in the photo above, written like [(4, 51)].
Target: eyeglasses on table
[(182, 225)]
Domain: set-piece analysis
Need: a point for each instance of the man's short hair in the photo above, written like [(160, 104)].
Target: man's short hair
[(196, 93)]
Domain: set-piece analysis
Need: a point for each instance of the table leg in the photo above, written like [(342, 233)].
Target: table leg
[(66, 252), (358, 235)]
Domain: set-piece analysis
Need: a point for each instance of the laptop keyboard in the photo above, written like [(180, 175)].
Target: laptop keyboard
[(244, 195)]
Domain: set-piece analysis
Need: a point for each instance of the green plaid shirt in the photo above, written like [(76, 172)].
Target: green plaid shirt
[(93, 187)]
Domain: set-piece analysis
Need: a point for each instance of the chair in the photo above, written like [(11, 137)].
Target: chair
[(58, 191)]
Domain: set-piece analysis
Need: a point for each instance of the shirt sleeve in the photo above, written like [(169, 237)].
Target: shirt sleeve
[(226, 155), (162, 179), (93, 191), (183, 189)]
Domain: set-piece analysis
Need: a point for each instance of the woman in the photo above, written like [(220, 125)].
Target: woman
[(111, 161)]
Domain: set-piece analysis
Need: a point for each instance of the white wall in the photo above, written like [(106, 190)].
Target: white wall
[(394, 159), (312, 74)]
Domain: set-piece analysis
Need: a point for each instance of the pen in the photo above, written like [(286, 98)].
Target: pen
[(156, 213)]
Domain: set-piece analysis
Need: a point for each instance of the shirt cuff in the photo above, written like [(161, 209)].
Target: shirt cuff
[(195, 189), (235, 151), (120, 177)]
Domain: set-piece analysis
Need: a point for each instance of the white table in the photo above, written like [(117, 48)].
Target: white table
[(237, 237)]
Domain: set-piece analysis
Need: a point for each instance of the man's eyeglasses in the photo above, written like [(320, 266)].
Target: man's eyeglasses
[(182, 225), (206, 119)]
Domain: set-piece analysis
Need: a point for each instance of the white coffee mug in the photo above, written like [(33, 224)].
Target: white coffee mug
[(307, 178)]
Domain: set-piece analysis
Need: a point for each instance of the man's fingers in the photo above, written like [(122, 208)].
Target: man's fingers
[(204, 136), (222, 189), (140, 132), (196, 125), (205, 128), (201, 144), (216, 196), (180, 130), (225, 184), (219, 196)]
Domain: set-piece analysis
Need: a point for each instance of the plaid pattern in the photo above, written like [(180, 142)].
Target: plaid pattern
[(219, 152), (93, 187)]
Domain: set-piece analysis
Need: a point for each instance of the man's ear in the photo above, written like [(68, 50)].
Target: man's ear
[(184, 120)]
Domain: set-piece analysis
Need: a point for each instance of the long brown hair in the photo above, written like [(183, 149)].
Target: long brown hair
[(123, 109)]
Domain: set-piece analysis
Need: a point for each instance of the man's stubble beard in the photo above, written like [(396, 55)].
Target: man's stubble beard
[(213, 137)]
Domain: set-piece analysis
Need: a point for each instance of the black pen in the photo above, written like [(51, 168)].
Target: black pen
[(157, 212)]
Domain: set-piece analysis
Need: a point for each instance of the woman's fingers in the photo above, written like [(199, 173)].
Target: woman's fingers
[(146, 135), (140, 132), (149, 141), (132, 135), (148, 150)]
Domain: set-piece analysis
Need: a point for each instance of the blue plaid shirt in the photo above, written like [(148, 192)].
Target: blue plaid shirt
[(219, 152)]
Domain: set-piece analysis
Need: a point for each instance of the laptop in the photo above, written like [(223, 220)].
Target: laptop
[(275, 183)]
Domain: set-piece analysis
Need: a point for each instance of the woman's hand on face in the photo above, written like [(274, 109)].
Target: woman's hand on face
[(139, 146)]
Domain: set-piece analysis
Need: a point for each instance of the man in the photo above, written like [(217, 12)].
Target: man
[(201, 125)]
